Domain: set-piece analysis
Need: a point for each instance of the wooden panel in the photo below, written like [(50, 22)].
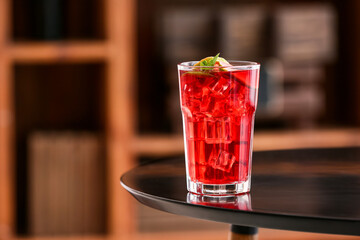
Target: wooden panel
[(4, 22), (6, 127), (120, 111), (58, 51), (355, 8), (6, 147), (66, 183)]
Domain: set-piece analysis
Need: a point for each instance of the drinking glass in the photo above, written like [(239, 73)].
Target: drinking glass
[(218, 106)]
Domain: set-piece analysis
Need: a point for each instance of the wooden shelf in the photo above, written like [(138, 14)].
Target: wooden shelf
[(119, 45), (158, 145), (29, 52), (75, 237), (306, 139)]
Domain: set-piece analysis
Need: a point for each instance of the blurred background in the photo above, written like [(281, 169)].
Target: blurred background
[(88, 89)]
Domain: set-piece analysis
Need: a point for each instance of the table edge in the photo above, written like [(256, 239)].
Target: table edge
[(246, 218)]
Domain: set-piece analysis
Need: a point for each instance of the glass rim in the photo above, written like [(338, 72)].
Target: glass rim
[(236, 65)]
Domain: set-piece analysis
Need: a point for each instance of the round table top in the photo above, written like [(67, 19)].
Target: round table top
[(312, 190)]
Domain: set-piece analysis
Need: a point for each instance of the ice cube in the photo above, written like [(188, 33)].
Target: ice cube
[(194, 129), (219, 109), (221, 87), (212, 105), (217, 131), (207, 101), (222, 161), (192, 89), (193, 104), (237, 104)]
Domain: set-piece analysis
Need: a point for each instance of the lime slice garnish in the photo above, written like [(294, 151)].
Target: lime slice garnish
[(204, 60), (213, 62), (222, 62)]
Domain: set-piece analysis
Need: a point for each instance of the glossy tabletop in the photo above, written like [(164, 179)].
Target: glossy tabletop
[(312, 190)]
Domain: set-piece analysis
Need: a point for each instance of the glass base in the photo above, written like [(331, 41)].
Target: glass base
[(218, 189)]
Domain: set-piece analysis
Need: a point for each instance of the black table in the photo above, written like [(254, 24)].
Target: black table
[(311, 190)]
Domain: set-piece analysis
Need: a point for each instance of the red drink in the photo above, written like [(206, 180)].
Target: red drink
[(218, 107)]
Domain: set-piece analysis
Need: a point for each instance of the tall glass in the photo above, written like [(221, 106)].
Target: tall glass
[(218, 106)]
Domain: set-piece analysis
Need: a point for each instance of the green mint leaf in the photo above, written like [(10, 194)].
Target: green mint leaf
[(213, 60), (208, 62)]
